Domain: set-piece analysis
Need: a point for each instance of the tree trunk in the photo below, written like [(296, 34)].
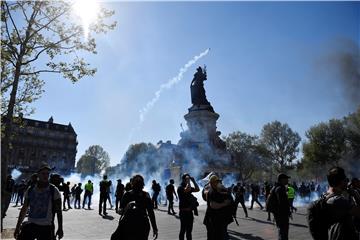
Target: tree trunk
[(6, 140)]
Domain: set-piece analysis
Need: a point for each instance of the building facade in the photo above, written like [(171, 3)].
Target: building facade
[(37, 141)]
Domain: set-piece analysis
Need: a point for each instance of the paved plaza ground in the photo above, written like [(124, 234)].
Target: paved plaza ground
[(87, 224)]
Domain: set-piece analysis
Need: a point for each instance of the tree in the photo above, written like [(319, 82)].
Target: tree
[(352, 132), (141, 157), (282, 144), (325, 144), (93, 161), (247, 153), (40, 37)]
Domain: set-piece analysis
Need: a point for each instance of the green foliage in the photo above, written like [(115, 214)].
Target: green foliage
[(282, 144), (352, 132), (248, 154), (93, 161), (141, 157), (45, 38), (325, 144)]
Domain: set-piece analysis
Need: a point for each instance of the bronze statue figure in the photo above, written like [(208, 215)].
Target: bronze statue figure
[(198, 96)]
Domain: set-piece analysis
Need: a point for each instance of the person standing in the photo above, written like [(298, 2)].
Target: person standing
[(291, 197), (156, 190), (219, 211), (267, 190), (6, 197), (78, 191), (282, 212), (89, 189), (186, 205), (44, 202), (170, 192), (104, 186), (21, 191), (239, 192), (66, 194), (119, 193)]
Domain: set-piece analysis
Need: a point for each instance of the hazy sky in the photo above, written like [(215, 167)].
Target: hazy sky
[(268, 61)]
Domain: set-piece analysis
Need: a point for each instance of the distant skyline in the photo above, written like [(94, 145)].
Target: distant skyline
[(268, 61)]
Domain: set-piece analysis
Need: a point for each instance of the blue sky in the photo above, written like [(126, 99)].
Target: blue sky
[(268, 61)]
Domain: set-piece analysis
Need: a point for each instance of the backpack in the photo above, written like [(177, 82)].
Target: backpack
[(272, 201), (318, 218), (132, 215)]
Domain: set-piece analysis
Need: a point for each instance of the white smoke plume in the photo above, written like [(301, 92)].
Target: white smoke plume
[(171, 82)]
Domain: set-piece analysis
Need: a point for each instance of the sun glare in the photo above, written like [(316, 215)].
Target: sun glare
[(87, 10)]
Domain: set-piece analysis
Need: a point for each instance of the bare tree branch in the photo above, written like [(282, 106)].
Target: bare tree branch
[(12, 21), (48, 47)]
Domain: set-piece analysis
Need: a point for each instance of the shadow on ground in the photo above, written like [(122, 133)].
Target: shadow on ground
[(242, 236)]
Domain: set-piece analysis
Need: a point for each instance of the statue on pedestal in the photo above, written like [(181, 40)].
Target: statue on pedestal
[(198, 96)]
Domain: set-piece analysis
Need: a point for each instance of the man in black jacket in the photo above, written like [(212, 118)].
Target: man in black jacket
[(282, 212)]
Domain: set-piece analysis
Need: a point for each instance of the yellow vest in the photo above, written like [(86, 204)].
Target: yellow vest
[(291, 192), (89, 187)]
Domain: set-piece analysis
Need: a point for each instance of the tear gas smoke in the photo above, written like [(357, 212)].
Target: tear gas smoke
[(169, 84)]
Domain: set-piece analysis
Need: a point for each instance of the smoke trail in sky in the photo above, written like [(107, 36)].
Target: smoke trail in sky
[(169, 84)]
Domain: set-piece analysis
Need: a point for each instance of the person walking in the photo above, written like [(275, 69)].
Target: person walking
[(282, 211), (137, 226), (89, 189), (239, 192), (255, 192), (43, 202), (186, 205), (170, 192)]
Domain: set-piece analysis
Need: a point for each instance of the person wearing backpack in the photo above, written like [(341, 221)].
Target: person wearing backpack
[(278, 204), (43, 201), (330, 217), (136, 208)]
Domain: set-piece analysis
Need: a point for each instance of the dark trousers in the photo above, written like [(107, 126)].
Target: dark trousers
[(77, 200), (87, 195), (102, 203), (117, 202), (291, 203), (217, 232), (242, 202), (31, 231), (171, 205), (66, 199), (21, 198), (255, 199), (186, 224), (282, 224), (155, 200)]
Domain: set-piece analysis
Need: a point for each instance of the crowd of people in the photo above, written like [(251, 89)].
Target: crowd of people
[(334, 216)]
